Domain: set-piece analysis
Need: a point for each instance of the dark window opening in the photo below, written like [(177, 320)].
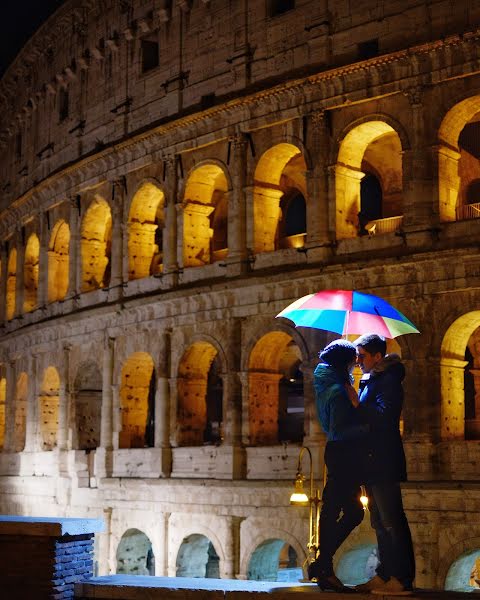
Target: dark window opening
[(469, 139), (278, 7), (291, 408), (213, 433), (63, 104), (150, 426), (469, 393), (366, 50), (150, 55), (473, 192), (371, 199), (293, 221)]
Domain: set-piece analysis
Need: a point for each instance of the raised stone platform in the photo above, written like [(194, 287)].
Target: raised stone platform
[(133, 587)]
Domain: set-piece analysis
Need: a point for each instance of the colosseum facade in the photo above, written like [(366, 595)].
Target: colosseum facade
[(173, 174)]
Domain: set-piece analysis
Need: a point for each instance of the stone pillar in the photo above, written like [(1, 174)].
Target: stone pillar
[(74, 251), (453, 398), (20, 284), (236, 260), (43, 274), (33, 440), (231, 566), (249, 220), (162, 422), (108, 421), (172, 382), (3, 281), (232, 423), (472, 426), (46, 557), (118, 255), (170, 243), (319, 233), (9, 440), (420, 189), (65, 426)]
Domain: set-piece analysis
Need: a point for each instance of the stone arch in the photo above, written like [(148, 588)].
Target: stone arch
[(11, 284), (30, 273), (358, 564), (279, 175), (58, 261), (274, 362), (3, 396), (21, 399), (197, 557), (272, 534), (87, 406), (95, 244), (49, 403), (371, 146), (266, 561), (199, 407), (452, 373), (134, 554), (205, 214), (454, 564), (137, 401), (146, 222), (458, 163)]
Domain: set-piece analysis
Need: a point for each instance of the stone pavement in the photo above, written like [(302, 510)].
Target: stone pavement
[(132, 587)]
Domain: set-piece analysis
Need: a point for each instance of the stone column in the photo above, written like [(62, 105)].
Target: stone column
[(118, 255), (170, 243), (3, 281), (9, 440), (232, 423), (420, 189), (74, 251), (453, 398), (20, 283), (162, 424), (249, 220), (108, 421), (319, 206), (33, 441), (43, 274), (236, 260), (65, 434), (231, 566)]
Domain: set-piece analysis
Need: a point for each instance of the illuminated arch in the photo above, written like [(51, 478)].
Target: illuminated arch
[(455, 563), (197, 557), (454, 165), (146, 222), (21, 391), (205, 216), (137, 401), (58, 261), (279, 174), (3, 395), (48, 404), (135, 554), (30, 273), (373, 147), (95, 243), (11, 284), (274, 361), (196, 400)]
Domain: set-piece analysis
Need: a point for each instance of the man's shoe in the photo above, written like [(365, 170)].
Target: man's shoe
[(369, 585), (392, 587)]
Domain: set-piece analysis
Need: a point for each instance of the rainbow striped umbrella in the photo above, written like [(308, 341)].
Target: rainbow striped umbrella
[(348, 312)]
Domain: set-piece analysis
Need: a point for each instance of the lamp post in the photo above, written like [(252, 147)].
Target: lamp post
[(312, 500)]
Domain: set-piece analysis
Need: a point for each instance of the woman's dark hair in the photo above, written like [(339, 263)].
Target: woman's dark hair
[(339, 354)]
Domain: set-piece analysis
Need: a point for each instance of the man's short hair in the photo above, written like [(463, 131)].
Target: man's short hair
[(372, 343)]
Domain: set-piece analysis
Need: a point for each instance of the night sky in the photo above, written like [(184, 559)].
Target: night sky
[(18, 21)]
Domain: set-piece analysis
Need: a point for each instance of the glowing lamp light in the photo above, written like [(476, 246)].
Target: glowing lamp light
[(299, 497), (364, 498)]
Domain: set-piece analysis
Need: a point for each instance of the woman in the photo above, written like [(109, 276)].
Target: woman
[(341, 508)]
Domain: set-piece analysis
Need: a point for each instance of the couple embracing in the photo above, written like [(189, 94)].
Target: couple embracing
[(363, 447)]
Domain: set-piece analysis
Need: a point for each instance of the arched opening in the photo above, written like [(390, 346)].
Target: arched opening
[(274, 560), (460, 379), (459, 162), (275, 384), (21, 390), (58, 261), (197, 557), (200, 396), (11, 284), (372, 151), (49, 401), (464, 573), (205, 216), (137, 402), (357, 565), (292, 226), (30, 273), (95, 243), (3, 395), (279, 207), (88, 406), (146, 222), (135, 554)]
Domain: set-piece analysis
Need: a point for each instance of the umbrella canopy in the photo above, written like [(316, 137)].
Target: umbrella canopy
[(348, 312)]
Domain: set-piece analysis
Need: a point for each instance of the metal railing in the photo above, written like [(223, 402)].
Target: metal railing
[(388, 225), (468, 211)]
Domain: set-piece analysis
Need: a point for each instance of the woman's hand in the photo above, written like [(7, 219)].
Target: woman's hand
[(352, 394)]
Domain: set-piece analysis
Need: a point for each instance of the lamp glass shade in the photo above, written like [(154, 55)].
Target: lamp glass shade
[(299, 499)]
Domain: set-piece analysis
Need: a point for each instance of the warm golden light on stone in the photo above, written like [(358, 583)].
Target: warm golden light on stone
[(30, 273), (48, 406), (58, 261), (96, 237), (11, 284), (21, 391)]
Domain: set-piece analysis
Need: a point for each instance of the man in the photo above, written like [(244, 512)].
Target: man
[(381, 399)]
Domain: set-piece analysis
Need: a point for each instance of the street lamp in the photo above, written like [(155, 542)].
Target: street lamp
[(312, 499)]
